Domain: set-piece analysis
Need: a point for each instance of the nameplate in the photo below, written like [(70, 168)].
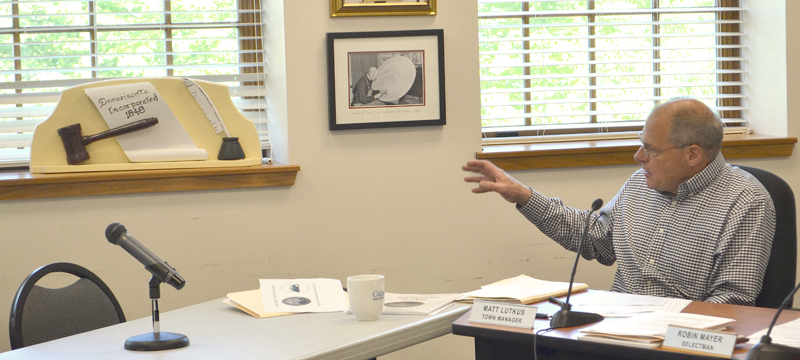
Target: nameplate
[(496, 313), (698, 341)]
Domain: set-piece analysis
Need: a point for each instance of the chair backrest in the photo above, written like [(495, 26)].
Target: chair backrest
[(40, 314), (779, 280)]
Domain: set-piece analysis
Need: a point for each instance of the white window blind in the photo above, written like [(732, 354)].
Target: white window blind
[(47, 46), (562, 70)]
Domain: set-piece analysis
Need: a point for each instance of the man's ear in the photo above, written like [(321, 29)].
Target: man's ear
[(695, 155)]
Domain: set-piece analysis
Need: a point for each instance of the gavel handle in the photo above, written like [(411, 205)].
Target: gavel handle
[(124, 129)]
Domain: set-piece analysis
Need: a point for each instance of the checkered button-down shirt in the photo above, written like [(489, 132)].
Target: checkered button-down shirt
[(710, 242)]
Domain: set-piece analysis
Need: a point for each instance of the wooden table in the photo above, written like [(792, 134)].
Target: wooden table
[(507, 343)]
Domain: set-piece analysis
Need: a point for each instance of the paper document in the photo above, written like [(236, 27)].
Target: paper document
[(613, 304), (415, 304), (785, 334), (646, 344), (521, 290), (654, 325), (166, 141), (302, 295), (250, 302)]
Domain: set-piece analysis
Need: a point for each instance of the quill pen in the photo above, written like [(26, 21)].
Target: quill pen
[(207, 106)]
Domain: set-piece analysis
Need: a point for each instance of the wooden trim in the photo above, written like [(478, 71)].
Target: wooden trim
[(16, 185), (619, 152)]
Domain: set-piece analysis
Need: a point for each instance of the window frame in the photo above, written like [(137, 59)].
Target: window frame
[(18, 183), (529, 132), (250, 73)]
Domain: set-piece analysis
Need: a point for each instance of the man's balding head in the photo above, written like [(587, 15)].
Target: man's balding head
[(692, 122)]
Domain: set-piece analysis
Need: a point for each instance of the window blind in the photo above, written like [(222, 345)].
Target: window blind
[(565, 70), (47, 46)]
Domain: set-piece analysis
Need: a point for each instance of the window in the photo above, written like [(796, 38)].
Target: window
[(47, 46), (559, 70)]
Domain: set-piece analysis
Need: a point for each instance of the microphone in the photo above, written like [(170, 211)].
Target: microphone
[(566, 317), (118, 235), (765, 349)]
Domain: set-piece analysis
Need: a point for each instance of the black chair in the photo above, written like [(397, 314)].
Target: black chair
[(40, 314), (779, 280)]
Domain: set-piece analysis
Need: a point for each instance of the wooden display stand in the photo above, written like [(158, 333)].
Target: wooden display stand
[(48, 154)]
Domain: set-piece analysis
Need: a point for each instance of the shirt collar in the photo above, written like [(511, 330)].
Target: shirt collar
[(702, 179)]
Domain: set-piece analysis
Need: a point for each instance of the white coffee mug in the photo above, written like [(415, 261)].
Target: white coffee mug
[(366, 295)]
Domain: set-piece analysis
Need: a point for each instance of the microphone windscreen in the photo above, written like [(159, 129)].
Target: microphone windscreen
[(114, 231), (597, 204)]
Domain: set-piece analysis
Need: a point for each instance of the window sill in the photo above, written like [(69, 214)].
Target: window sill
[(16, 185), (619, 152)]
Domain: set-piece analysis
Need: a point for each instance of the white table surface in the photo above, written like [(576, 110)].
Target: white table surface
[(218, 331)]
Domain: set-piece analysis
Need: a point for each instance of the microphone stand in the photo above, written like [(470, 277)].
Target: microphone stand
[(766, 350), (156, 340), (566, 317)]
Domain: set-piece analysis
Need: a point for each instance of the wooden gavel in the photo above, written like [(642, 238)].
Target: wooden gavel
[(75, 145)]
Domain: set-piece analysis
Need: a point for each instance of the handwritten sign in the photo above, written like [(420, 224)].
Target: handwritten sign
[(127, 105), (698, 341), (490, 312), (167, 141)]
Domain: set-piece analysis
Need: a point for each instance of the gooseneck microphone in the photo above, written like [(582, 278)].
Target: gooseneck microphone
[(566, 317), (118, 235), (766, 350)]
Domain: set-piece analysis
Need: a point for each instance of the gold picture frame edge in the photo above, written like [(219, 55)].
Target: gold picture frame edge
[(338, 9)]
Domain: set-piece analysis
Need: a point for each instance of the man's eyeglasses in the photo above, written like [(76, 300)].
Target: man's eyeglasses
[(654, 152)]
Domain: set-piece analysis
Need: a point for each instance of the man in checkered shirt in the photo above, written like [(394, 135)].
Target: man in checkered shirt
[(686, 225)]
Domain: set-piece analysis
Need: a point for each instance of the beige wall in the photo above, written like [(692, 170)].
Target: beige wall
[(388, 201)]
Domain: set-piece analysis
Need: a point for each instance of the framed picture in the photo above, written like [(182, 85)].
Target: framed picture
[(382, 7), (386, 79)]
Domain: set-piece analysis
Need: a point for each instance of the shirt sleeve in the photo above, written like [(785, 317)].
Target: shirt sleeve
[(744, 250), (565, 226)]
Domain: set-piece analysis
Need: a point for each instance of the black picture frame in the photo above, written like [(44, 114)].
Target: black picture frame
[(370, 82)]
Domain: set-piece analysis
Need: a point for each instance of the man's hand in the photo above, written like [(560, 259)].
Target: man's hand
[(496, 180)]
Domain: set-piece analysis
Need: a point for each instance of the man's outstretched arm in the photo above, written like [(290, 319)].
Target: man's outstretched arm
[(494, 179)]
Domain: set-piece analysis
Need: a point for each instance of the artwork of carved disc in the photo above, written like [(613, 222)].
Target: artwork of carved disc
[(395, 77)]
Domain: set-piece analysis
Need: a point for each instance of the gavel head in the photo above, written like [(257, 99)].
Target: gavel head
[(73, 144)]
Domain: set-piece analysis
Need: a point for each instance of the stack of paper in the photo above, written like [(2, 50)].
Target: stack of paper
[(614, 304), (250, 302), (303, 295), (521, 290), (648, 330), (278, 297)]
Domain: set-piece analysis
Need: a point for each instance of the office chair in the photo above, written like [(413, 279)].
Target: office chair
[(40, 314), (779, 278)]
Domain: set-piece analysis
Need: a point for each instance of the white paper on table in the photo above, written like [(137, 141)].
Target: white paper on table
[(166, 141), (521, 287), (655, 324), (613, 304), (415, 304), (302, 295), (785, 334)]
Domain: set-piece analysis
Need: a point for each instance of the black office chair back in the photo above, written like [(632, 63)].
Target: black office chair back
[(40, 314), (779, 280)]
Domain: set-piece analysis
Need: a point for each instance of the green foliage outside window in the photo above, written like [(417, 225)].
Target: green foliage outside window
[(551, 63)]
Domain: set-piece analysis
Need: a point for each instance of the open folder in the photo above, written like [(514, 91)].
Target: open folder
[(250, 301), (522, 289)]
